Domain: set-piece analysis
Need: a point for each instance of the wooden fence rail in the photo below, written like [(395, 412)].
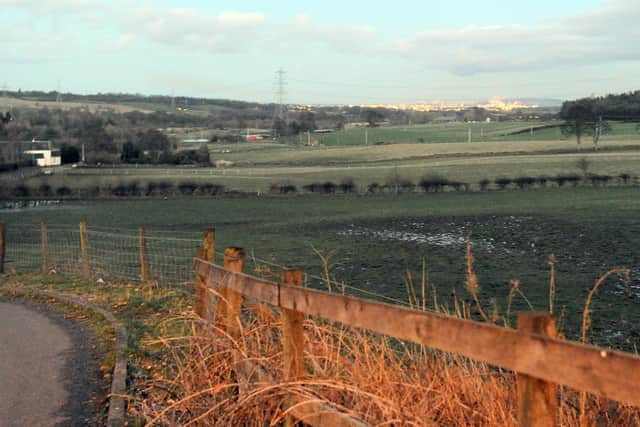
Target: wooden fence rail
[(540, 360)]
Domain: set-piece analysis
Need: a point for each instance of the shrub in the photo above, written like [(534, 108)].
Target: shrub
[(152, 188), (45, 190), (119, 190), (347, 185), (283, 188), (314, 187), (484, 184), (625, 178), (433, 183), (374, 187), (165, 187), (133, 188), (63, 191), (524, 182), (328, 187), (406, 185), (542, 180), (459, 185), (187, 188), (211, 189), (567, 179), (503, 182), (598, 180), (21, 191)]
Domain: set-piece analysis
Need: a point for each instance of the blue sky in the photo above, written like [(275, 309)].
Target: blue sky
[(333, 52)]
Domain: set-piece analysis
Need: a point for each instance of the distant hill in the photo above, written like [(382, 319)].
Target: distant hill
[(123, 102)]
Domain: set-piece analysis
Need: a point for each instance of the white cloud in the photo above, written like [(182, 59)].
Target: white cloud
[(187, 28), (193, 29), (607, 34), (342, 38)]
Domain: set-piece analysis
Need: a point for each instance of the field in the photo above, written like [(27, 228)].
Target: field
[(459, 132), (7, 103), (372, 241), (258, 165)]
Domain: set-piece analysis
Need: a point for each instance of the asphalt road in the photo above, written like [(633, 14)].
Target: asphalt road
[(41, 383)]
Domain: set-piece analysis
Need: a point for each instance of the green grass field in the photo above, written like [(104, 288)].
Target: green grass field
[(373, 240), (258, 165), (459, 132)]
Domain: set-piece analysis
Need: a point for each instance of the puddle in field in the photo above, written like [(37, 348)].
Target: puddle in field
[(21, 205), (456, 239), (490, 234)]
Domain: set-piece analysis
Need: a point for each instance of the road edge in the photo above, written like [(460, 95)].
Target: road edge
[(115, 416)]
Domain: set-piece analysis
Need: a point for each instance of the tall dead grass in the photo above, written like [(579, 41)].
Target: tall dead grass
[(373, 378)]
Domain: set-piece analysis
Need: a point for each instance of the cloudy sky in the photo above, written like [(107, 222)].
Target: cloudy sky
[(332, 51)]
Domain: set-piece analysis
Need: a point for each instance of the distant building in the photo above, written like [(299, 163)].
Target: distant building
[(41, 152)]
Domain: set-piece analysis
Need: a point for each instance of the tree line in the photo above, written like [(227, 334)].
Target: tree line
[(591, 117)]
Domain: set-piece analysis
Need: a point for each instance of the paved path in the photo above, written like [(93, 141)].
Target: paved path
[(34, 354)]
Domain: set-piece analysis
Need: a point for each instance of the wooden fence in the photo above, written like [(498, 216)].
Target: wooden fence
[(540, 360)]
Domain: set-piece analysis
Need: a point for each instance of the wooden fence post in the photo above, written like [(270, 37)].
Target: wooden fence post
[(44, 238), (233, 261), (84, 247), (3, 239), (293, 336), (537, 399), (144, 267), (204, 306)]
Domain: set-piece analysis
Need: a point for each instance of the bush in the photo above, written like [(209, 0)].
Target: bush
[(459, 185), (433, 183), (567, 179), (524, 182), (133, 189), (347, 185), (625, 178), (63, 191), (165, 187), (211, 189), (119, 190), (542, 181), (374, 187), (45, 190), (187, 188), (503, 182), (21, 191), (484, 184), (328, 187), (282, 188), (598, 180), (314, 187)]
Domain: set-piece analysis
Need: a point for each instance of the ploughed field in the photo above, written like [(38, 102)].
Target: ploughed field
[(372, 242)]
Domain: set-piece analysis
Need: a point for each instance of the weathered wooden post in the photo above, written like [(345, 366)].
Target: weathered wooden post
[(537, 399), (3, 239), (203, 306), (233, 261), (144, 267), (44, 238), (84, 247), (293, 336)]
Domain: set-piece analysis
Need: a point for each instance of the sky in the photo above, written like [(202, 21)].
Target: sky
[(332, 52)]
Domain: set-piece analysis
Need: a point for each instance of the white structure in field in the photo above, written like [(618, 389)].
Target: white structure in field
[(43, 154)]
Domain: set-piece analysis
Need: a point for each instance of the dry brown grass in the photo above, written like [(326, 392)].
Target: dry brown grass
[(378, 380)]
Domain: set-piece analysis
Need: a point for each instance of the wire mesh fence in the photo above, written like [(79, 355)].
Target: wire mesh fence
[(111, 254), (158, 257)]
